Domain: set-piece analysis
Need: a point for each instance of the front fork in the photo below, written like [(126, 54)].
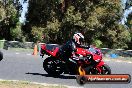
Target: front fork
[(99, 66)]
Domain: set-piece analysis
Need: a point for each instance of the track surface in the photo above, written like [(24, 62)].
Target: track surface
[(24, 66)]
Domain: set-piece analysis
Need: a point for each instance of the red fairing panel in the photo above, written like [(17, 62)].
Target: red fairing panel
[(100, 63), (43, 46), (53, 53)]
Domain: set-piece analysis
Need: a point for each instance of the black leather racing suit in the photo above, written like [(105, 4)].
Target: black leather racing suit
[(68, 49)]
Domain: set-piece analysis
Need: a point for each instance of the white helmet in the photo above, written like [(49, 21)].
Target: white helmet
[(78, 37)]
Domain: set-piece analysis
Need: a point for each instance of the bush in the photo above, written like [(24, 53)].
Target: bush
[(97, 43)]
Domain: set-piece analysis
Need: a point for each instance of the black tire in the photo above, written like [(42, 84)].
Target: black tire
[(92, 70), (1, 55), (52, 66), (105, 69), (81, 80)]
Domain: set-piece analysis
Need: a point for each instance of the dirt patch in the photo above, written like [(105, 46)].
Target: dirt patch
[(21, 84)]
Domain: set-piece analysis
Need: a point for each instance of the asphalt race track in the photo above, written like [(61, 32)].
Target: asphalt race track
[(23, 66)]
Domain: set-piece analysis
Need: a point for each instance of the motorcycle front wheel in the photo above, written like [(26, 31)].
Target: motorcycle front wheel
[(105, 69), (52, 66), (91, 70)]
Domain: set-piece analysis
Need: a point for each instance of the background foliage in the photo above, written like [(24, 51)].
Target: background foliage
[(55, 21), (10, 28)]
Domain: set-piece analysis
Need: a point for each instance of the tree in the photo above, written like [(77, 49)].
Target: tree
[(2, 17), (129, 21), (97, 19), (9, 18), (128, 4), (16, 32), (129, 25)]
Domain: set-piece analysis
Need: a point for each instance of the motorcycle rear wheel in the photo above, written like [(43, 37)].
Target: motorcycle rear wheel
[(52, 66)]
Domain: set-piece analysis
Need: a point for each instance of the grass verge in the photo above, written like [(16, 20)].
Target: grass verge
[(23, 84)]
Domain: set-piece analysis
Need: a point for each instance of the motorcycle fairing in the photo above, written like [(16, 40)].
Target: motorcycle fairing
[(51, 49)]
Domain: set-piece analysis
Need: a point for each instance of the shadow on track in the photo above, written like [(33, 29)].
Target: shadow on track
[(60, 76)]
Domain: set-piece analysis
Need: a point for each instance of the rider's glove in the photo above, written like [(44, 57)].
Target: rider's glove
[(74, 57)]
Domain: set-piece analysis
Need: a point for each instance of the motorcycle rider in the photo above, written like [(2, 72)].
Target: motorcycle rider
[(69, 48)]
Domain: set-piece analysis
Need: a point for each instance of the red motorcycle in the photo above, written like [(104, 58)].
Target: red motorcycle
[(88, 61)]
